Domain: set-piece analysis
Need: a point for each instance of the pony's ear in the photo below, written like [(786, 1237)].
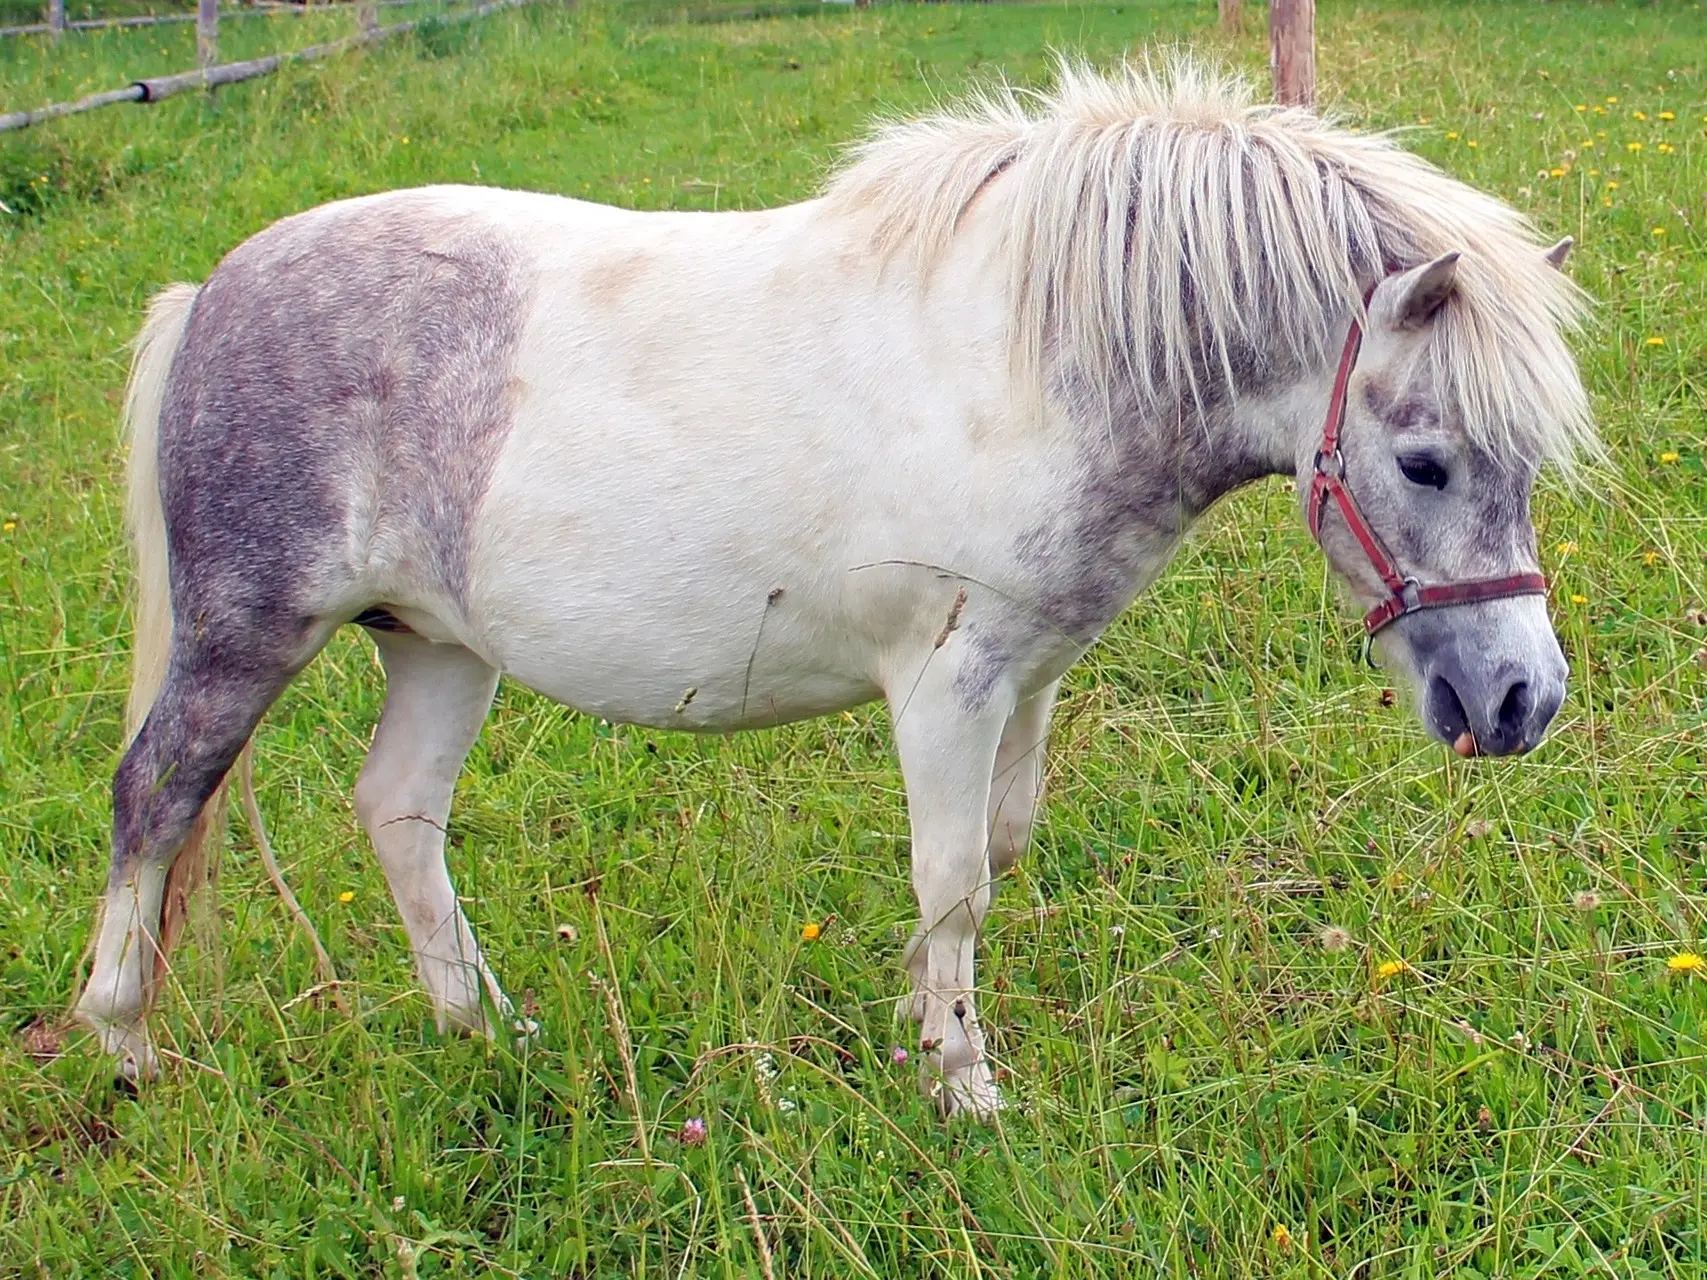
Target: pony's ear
[(1420, 292), (1556, 255)]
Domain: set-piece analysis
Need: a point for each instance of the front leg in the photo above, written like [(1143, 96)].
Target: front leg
[(1016, 792), (948, 752)]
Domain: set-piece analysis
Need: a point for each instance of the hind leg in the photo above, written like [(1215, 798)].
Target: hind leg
[(213, 696), (436, 699)]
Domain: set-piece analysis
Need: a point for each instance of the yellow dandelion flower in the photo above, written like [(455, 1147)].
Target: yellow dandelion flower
[(1668, 115), (1470, 143), (1555, 173), (8, 526), (1282, 1237), (1612, 102), (1577, 599), (1606, 204), (1451, 135), (1565, 548), (1391, 969), (810, 931), (1659, 231), (1582, 106), (1650, 558), (1600, 111), (1594, 173), (1612, 186), (1665, 148), (1587, 144), (1422, 119), (1668, 457), (1632, 147), (1641, 115), (347, 896), (1686, 962), (1655, 341)]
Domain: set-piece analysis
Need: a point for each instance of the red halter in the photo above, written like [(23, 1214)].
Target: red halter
[(1404, 595)]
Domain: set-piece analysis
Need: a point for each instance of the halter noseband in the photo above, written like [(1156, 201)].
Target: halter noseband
[(1404, 595)]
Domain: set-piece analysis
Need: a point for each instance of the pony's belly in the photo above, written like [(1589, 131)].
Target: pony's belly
[(669, 700), (667, 679), (678, 639)]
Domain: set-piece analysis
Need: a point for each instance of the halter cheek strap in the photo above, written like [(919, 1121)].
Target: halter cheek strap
[(1328, 483)]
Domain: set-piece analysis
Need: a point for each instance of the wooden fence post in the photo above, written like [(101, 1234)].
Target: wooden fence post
[(56, 17), (1292, 51), (367, 16), (207, 32), (1232, 17)]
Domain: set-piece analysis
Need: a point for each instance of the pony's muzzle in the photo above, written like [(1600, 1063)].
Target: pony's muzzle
[(1505, 713)]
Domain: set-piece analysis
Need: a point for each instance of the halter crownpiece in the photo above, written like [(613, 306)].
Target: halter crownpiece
[(1404, 594)]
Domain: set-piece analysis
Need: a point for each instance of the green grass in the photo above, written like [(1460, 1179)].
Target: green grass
[(1193, 1067)]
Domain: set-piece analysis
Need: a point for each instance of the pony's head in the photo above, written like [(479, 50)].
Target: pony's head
[(1446, 497), (1184, 248)]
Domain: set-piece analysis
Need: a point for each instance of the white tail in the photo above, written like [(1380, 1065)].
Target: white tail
[(156, 348)]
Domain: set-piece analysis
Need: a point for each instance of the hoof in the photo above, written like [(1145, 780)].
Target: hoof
[(479, 1023), (970, 1091), (138, 1063)]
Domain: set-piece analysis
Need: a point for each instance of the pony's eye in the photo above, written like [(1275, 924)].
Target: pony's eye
[(1419, 470)]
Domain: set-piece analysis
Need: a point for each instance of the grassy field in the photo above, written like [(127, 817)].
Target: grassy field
[(1204, 1087)]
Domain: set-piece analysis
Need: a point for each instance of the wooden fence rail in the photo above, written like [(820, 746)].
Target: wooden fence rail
[(156, 88), (261, 8)]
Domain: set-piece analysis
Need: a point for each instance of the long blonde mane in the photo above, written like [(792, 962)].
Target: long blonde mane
[(1180, 239)]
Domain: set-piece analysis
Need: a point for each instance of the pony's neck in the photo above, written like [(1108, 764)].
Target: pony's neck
[(1134, 482), (1183, 464), (1274, 432)]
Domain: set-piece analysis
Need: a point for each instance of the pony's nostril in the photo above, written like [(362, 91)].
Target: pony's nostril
[(1514, 711), (1445, 711)]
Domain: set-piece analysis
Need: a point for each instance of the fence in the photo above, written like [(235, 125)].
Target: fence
[(1292, 44), (258, 8), (211, 73), (651, 11)]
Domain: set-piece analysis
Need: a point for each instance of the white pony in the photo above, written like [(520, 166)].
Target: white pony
[(919, 439)]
